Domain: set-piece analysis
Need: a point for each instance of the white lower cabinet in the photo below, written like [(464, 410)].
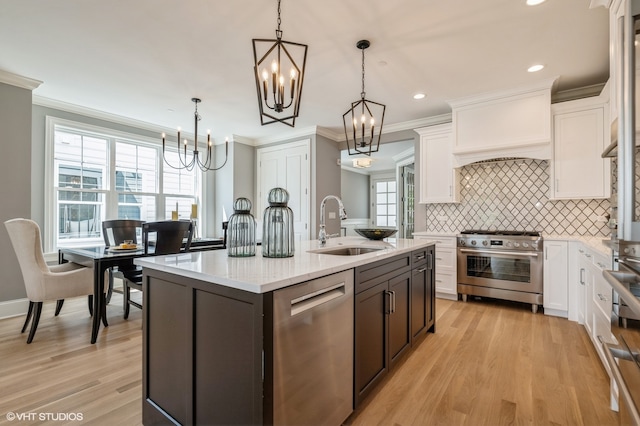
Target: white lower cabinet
[(594, 296), (446, 274), (555, 282)]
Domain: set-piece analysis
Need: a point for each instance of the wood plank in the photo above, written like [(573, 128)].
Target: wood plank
[(490, 362)]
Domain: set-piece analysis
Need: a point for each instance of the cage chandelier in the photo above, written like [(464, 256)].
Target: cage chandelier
[(189, 164), (361, 129), (279, 102)]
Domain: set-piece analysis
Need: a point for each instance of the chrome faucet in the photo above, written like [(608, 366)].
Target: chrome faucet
[(322, 234)]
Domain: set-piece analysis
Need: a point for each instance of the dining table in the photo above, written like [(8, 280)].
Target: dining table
[(100, 258)]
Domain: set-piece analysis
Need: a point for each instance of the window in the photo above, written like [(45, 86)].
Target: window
[(99, 173), (385, 202)]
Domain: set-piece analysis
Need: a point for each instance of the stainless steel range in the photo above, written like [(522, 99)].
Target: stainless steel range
[(501, 264)]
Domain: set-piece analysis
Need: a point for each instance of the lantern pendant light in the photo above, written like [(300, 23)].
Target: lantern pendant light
[(279, 99), (363, 121)]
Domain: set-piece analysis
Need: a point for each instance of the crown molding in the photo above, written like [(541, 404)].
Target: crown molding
[(599, 3), (546, 84), (118, 119), (19, 81)]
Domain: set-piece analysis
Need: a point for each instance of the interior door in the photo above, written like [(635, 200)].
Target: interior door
[(408, 201), (286, 166)]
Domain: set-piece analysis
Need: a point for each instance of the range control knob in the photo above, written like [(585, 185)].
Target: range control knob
[(508, 243), (534, 245), (516, 245), (626, 250), (473, 242), (525, 244), (463, 242), (484, 243)]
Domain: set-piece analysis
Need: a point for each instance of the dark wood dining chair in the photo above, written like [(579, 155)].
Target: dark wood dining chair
[(116, 232), (158, 238)]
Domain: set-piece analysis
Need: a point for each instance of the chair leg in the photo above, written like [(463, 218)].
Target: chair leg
[(58, 306), (125, 299), (29, 312), (34, 323), (90, 300)]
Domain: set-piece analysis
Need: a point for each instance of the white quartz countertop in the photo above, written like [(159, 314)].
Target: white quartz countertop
[(599, 244), (259, 274)]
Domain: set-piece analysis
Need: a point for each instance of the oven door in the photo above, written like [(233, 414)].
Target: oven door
[(509, 270)]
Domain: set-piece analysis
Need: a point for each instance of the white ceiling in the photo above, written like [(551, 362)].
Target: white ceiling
[(144, 59)]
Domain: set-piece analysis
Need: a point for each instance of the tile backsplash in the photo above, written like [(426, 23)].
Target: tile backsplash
[(514, 195)]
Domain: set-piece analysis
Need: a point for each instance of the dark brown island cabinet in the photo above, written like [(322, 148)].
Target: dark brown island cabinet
[(208, 352), (394, 308)]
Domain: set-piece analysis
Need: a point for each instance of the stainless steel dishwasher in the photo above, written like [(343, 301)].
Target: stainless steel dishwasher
[(313, 351)]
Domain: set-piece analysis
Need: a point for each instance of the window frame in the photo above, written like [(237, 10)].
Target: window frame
[(374, 179), (110, 192)]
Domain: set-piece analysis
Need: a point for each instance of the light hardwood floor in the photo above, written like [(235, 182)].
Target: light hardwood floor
[(488, 363)]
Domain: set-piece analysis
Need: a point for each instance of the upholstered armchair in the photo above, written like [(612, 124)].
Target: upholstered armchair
[(44, 282)]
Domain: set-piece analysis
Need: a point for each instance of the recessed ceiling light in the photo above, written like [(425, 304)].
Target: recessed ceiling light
[(419, 96), (534, 2), (535, 68)]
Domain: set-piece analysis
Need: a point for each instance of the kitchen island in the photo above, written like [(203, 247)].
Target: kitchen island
[(210, 322)]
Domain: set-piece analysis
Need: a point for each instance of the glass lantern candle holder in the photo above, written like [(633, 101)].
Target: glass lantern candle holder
[(241, 238), (277, 227)]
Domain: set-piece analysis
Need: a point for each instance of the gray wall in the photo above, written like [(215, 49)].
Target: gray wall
[(326, 171), (15, 180), (236, 179), (354, 190)]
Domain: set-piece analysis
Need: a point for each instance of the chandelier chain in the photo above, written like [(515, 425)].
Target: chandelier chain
[(362, 93), (278, 32)]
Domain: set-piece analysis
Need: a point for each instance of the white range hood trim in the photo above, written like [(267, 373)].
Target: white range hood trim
[(538, 151), (485, 127)]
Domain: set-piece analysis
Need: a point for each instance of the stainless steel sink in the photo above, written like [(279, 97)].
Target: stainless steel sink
[(347, 251)]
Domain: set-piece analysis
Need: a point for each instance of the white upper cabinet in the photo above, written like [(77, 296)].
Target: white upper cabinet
[(439, 181), (579, 137), (513, 123)]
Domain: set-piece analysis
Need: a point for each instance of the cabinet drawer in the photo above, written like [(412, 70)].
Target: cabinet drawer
[(445, 257), (600, 262), (419, 258), (369, 275), (602, 295), (601, 328), (444, 242), (445, 283)]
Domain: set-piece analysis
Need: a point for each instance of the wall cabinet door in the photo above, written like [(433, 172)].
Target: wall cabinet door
[(556, 282), (578, 170), (439, 181)]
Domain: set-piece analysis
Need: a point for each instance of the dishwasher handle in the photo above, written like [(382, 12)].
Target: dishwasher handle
[(317, 298)]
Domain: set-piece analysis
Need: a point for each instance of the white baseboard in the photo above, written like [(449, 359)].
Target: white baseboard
[(448, 296), (556, 313), (13, 308)]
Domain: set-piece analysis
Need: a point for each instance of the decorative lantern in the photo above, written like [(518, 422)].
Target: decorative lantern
[(241, 241), (277, 227)]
